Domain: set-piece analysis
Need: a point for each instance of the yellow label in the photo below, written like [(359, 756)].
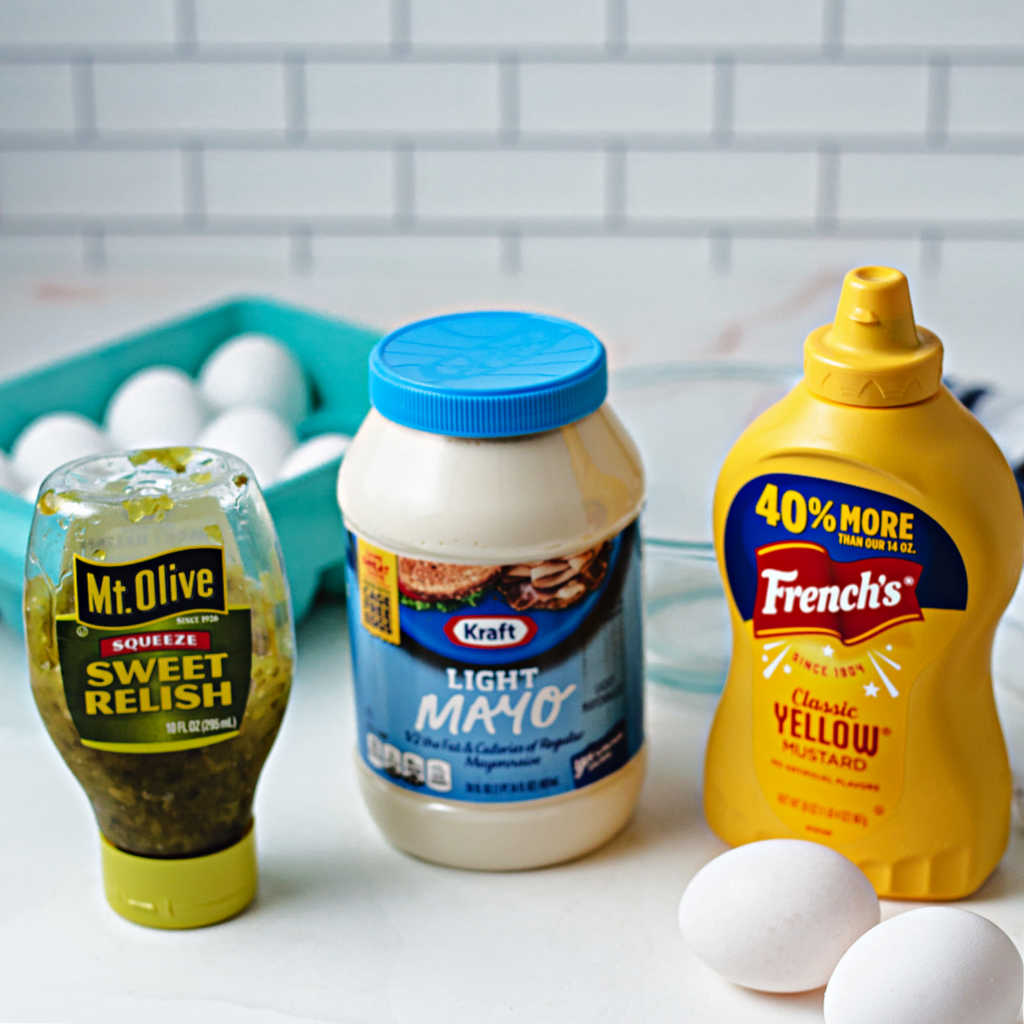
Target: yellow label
[(839, 626), (830, 725), (378, 591)]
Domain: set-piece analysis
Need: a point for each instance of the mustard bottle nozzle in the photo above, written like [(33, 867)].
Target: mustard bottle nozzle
[(873, 354), (874, 312)]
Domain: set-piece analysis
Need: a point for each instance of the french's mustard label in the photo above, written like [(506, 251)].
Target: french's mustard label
[(847, 593), (153, 659)]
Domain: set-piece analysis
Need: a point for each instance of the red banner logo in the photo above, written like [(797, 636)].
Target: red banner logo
[(801, 590), (166, 640)]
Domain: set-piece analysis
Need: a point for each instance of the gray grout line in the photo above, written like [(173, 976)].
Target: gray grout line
[(83, 98), (405, 183), (296, 99), (615, 185), (832, 28), (931, 251), (994, 231), (638, 54), (827, 199), (510, 254), (937, 117), (94, 249), (301, 255), (979, 145), (616, 28), (722, 97), (401, 28), (508, 99), (194, 184), (720, 250), (185, 26)]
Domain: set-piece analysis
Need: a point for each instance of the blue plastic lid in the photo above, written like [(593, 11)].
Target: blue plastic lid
[(493, 374)]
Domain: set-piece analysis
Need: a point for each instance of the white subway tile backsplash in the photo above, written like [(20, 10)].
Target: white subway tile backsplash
[(940, 23), (403, 97), (725, 23), (931, 187), (34, 254), (613, 256), (501, 24), (986, 100), (36, 99), (305, 184), (293, 23), (830, 99), (193, 252), (86, 22), (721, 186), (508, 184), (189, 98), (418, 254), (999, 257), (615, 97), (424, 135), (832, 256), (91, 184)]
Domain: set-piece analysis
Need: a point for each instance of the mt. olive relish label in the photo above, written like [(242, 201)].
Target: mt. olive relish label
[(847, 592), (129, 593), (153, 659), (497, 683)]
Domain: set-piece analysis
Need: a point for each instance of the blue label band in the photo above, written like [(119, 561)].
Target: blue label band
[(497, 683), (849, 524)]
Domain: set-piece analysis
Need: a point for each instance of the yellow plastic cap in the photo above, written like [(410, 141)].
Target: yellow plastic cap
[(180, 892), (873, 354)]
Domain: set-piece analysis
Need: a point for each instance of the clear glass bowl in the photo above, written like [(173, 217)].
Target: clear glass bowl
[(685, 418)]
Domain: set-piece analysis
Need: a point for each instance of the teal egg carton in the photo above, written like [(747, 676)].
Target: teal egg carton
[(334, 356)]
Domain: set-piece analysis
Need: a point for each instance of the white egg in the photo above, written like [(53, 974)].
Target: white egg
[(312, 453), (156, 407), (936, 965), (52, 440), (777, 915), (254, 369), (8, 478), (258, 436)]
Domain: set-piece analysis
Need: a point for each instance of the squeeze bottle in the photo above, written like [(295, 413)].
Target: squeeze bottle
[(869, 534)]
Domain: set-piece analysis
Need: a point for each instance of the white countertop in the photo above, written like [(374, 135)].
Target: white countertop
[(345, 928)]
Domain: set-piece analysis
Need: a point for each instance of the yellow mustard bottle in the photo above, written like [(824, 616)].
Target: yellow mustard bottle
[(869, 534)]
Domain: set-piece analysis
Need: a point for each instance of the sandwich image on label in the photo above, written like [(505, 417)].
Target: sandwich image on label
[(555, 583), (437, 585)]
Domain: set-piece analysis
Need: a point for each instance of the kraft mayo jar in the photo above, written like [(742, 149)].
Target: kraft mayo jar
[(495, 609)]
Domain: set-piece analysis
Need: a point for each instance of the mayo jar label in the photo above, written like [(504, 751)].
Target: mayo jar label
[(847, 592), (497, 683), (153, 659)]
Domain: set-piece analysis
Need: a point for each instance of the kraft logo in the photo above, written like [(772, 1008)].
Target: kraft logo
[(490, 631)]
